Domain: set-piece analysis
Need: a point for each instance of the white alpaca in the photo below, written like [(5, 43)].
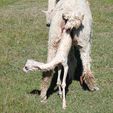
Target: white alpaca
[(61, 57), (82, 36)]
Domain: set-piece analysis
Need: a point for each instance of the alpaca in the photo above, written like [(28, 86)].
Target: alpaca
[(61, 57), (83, 37)]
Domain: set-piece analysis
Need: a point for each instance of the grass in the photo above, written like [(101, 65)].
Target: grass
[(23, 35)]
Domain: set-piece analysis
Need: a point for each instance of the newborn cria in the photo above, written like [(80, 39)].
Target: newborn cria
[(61, 58)]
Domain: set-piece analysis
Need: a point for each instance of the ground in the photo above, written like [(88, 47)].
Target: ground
[(23, 35)]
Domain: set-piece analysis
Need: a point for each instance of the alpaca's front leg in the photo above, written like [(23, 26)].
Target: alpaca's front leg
[(64, 85)]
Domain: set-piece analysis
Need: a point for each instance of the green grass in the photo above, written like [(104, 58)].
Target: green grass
[(23, 35)]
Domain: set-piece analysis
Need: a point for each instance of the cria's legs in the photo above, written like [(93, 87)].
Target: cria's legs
[(64, 85), (59, 83), (87, 76)]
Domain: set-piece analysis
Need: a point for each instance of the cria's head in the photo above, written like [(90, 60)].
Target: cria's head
[(28, 66)]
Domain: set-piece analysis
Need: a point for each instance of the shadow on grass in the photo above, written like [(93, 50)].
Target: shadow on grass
[(35, 91)]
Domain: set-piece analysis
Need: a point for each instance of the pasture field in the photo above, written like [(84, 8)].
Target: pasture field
[(23, 35)]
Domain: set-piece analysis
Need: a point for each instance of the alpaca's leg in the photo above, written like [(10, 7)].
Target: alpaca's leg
[(59, 83), (87, 76), (64, 85), (47, 76)]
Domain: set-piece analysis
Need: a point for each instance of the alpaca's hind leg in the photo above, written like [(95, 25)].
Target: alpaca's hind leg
[(47, 76), (59, 83), (87, 76), (64, 85)]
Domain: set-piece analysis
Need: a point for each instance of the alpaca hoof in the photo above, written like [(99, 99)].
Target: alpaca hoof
[(95, 88), (60, 95), (44, 100), (64, 107), (90, 82), (43, 94)]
